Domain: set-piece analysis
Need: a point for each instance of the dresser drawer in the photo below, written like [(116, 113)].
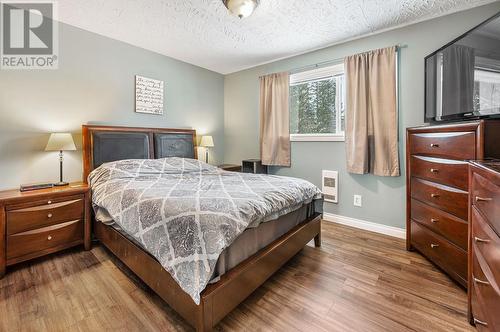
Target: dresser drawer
[(41, 215), (487, 292), (486, 244), (480, 319), (446, 198), (445, 171), (486, 198), (453, 145), (41, 241), (450, 227), (443, 253)]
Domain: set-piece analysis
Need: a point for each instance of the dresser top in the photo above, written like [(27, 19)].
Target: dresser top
[(493, 165), (453, 126), (8, 196)]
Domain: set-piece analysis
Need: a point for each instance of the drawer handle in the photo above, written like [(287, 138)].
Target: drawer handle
[(434, 220), (49, 215), (479, 240), (479, 281), (49, 202), (434, 170), (434, 145), (49, 237), (480, 322), (434, 245), (434, 195), (483, 199)]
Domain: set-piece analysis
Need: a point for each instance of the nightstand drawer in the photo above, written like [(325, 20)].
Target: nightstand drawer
[(37, 216), (41, 241)]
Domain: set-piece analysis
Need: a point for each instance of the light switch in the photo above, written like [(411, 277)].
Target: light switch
[(357, 200)]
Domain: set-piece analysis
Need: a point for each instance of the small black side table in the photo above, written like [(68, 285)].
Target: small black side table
[(253, 166)]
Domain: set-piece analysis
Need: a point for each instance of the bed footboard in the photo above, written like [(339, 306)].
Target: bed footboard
[(218, 299), (236, 285)]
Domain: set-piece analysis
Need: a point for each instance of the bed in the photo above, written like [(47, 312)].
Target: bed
[(249, 257)]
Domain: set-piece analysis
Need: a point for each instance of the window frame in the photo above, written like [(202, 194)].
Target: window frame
[(317, 74), (317, 137)]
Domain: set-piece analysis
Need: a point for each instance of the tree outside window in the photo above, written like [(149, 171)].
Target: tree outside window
[(317, 104)]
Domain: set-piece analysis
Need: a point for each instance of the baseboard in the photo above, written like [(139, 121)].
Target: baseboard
[(366, 225)]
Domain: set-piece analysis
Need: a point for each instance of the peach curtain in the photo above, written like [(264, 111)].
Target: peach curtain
[(274, 120), (371, 117)]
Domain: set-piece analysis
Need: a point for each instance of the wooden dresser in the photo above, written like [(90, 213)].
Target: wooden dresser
[(437, 189), (484, 244), (40, 222)]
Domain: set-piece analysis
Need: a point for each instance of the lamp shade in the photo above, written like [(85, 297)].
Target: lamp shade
[(60, 142), (207, 141)]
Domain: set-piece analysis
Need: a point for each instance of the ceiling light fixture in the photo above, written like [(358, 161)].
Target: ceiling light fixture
[(241, 8)]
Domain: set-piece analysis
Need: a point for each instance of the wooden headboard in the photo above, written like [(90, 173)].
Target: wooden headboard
[(110, 143)]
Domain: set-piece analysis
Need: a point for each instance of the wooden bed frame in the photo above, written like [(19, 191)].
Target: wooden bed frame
[(220, 298)]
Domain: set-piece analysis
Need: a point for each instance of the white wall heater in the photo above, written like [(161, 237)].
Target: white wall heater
[(330, 187)]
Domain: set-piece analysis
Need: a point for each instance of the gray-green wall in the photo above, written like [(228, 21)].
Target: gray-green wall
[(95, 84), (383, 198)]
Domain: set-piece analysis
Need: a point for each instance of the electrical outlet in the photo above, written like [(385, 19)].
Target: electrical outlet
[(357, 200)]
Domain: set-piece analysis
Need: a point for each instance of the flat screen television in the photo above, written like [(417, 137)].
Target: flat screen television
[(462, 79)]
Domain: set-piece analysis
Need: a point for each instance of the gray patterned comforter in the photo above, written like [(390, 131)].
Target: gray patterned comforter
[(185, 212)]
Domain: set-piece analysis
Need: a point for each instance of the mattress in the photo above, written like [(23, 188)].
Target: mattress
[(248, 243), (254, 239)]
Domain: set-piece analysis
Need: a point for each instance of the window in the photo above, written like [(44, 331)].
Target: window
[(317, 104)]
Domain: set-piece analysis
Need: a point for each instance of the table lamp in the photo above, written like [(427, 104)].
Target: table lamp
[(207, 142), (60, 142)]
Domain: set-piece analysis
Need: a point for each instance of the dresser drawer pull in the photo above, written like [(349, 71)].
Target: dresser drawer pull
[(434, 170), (483, 199), (480, 322), (434, 220), (434, 195), (479, 281), (434, 145), (49, 202), (49, 215), (434, 245), (479, 240), (49, 237)]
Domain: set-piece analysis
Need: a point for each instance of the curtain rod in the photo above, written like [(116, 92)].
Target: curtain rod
[(331, 62)]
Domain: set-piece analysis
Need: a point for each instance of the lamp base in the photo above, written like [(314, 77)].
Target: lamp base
[(61, 184)]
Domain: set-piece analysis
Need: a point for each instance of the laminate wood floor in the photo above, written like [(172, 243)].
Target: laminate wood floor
[(357, 281)]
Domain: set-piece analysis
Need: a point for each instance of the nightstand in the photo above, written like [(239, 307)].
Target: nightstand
[(230, 167), (253, 166), (40, 222)]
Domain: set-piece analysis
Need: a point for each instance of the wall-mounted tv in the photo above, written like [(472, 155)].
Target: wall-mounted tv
[(462, 79)]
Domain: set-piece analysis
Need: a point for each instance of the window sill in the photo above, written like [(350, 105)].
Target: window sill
[(316, 138)]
